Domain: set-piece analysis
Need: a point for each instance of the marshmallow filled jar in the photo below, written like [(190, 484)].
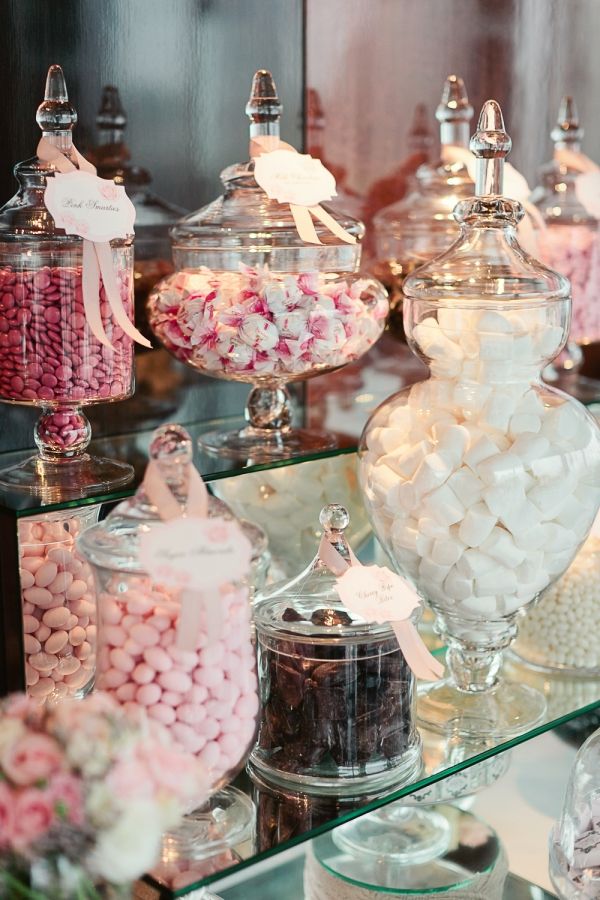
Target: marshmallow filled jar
[(206, 697), (49, 357), (251, 301), (481, 482)]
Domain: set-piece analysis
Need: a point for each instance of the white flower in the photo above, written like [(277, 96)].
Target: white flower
[(131, 847), (12, 729)]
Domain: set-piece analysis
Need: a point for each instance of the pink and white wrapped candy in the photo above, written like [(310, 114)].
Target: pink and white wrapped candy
[(257, 323), (574, 251)]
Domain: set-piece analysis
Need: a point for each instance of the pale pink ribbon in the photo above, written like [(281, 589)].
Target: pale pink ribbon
[(193, 602), (303, 215), (416, 654), (574, 159), (97, 260)]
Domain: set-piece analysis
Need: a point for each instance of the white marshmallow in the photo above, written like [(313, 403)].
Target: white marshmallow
[(482, 607), (501, 468), (452, 440), (434, 343), (501, 547), (500, 580), (530, 447), (495, 371), (400, 417), (550, 497), (476, 525), (444, 506), (524, 423), (494, 323), (408, 458), (531, 539), (529, 569), (433, 529), (561, 423), (390, 439), (558, 538), (466, 486), (446, 552), (431, 572), (495, 347), (520, 519), (501, 498), (474, 563), (404, 535), (549, 341), (483, 448), (471, 395), (406, 495), (457, 587), (433, 472)]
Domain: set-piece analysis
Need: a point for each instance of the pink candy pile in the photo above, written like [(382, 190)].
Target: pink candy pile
[(207, 698), (59, 610), (248, 324), (574, 251), (47, 351)]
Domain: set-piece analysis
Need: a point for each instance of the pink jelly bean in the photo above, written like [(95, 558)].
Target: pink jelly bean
[(121, 660), (161, 712), (148, 694), (247, 706), (114, 634), (210, 753), (190, 713), (158, 659), (143, 673), (171, 698), (175, 680), (208, 677), (145, 635), (113, 678)]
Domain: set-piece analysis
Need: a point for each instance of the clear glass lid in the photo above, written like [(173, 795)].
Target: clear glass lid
[(25, 215), (243, 218), (439, 186), (309, 605), (487, 264), (555, 196), (114, 542), (112, 159)]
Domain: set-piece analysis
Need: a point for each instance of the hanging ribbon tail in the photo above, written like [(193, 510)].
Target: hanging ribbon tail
[(113, 295), (47, 152), (265, 143), (199, 610), (90, 285), (573, 159), (160, 494), (334, 561), (535, 214), (319, 213), (304, 224), (197, 501), (418, 657)]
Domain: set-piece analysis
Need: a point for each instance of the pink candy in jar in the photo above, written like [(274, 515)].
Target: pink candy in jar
[(48, 353), (255, 324), (574, 251), (207, 698), (59, 606)]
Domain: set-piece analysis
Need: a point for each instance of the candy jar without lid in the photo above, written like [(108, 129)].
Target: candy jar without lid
[(575, 839), (154, 215), (481, 482), (421, 225), (207, 697), (251, 301), (49, 356), (59, 605), (337, 694), (570, 243)]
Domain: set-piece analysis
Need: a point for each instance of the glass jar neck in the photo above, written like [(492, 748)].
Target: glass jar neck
[(268, 127), (62, 140), (454, 134)]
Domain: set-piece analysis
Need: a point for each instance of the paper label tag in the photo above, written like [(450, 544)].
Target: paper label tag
[(196, 553), (94, 208), (295, 178), (587, 190), (376, 594)]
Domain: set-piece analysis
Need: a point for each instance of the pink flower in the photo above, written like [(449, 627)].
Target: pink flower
[(33, 816), (128, 780), (33, 757), (7, 808), (66, 797)]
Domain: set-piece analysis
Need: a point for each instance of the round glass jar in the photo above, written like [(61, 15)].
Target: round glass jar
[(560, 631), (59, 605), (575, 839), (49, 356), (570, 243), (337, 694), (481, 482), (421, 225), (153, 215), (251, 301), (206, 697)]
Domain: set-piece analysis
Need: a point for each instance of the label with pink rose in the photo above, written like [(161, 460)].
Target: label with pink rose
[(94, 208)]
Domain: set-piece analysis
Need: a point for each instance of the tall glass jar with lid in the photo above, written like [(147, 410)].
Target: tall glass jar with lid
[(481, 482), (251, 301), (421, 225)]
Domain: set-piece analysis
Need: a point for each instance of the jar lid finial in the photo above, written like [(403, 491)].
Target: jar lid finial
[(56, 113), (490, 145)]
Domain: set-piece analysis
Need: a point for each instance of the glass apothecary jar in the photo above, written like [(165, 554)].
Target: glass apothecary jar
[(337, 694), (559, 632), (207, 841), (49, 356), (481, 482), (207, 697), (422, 225), (570, 243), (575, 839), (154, 216), (251, 301), (59, 605)]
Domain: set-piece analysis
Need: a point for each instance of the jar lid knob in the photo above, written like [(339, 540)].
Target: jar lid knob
[(264, 106), (56, 113), (111, 115), (172, 448), (454, 104), (334, 518), (567, 129), (490, 145)]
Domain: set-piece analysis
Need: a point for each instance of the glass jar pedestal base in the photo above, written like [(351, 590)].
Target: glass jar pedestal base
[(62, 468), (269, 434), (403, 834), (501, 712)]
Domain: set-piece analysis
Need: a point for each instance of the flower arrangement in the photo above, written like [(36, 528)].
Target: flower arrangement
[(86, 792)]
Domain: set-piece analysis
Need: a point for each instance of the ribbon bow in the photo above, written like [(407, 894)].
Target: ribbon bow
[(399, 601), (302, 213), (97, 259)]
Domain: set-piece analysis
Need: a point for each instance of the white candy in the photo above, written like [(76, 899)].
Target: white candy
[(482, 449), (500, 469), (497, 411), (446, 552), (521, 519), (476, 525), (431, 572), (432, 528), (407, 459), (457, 586), (452, 441), (386, 440), (444, 506), (482, 607), (494, 323), (551, 496), (493, 347), (524, 423), (500, 581), (405, 536), (434, 343), (558, 538), (500, 499), (474, 563), (501, 547), (471, 396), (530, 448), (433, 472), (466, 486)]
